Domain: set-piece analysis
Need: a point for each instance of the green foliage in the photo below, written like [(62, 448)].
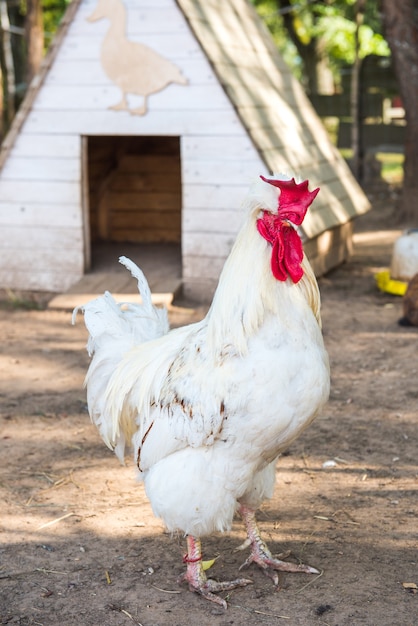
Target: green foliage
[(330, 22), (338, 35), (392, 167), (267, 9), (53, 10)]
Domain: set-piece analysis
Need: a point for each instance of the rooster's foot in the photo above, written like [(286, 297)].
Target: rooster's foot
[(197, 580), (207, 587), (261, 555)]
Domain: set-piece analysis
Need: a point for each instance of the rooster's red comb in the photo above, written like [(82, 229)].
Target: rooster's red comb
[(294, 199)]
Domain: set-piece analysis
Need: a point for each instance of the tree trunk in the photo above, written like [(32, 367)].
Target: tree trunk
[(7, 69), (34, 37), (318, 76), (400, 21), (355, 98)]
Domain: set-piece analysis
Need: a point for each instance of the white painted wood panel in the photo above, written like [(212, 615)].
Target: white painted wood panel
[(201, 244), (31, 280), (89, 72), (220, 172), (212, 222), (34, 237), (56, 215), (179, 47), (40, 192), (202, 267), (63, 260), (62, 146), (90, 5), (220, 147), (103, 122), (140, 20), (215, 196), (182, 98), (41, 169)]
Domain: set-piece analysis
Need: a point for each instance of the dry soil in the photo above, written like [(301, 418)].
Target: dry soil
[(80, 545)]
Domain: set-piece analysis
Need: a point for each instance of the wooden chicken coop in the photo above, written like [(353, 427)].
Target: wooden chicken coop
[(144, 129)]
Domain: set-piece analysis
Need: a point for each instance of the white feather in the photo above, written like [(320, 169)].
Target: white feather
[(208, 407), (114, 329)]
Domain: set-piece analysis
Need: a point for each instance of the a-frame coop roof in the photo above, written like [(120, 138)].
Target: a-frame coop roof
[(274, 108), (238, 114)]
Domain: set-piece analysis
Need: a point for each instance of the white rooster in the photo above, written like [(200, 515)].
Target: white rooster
[(209, 407)]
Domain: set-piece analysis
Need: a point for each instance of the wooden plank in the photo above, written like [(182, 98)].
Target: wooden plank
[(203, 196), (202, 148), (20, 168), (69, 260), (199, 244), (301, 148), (85, 206), (220, 221), (89, 72), (148, 181), (176, 46), (138, 201), (62, 146), (28, 280), (37, 192), (44, 214), (140, 20), (199, 291), (102, 147), (99, 170), (149, 163), (145, 236), (74, 72), (71, 97), (90, 5), (38, 237), (145, 144), (220, 172), (330, 249), (121, 123), (146, 220), (201, 266)]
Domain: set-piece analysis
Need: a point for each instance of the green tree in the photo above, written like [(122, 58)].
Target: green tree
[(317, 39), (26, 29)]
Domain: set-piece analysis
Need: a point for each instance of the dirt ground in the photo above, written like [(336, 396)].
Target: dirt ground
[(80, 545)]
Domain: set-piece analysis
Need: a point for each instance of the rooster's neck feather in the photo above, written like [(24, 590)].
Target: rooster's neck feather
[(248, 292)]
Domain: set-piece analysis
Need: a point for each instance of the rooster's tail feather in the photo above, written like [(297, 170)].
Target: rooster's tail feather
[(114, 329)]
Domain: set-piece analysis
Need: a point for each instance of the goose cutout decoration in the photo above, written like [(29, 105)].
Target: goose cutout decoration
[(133, 67)]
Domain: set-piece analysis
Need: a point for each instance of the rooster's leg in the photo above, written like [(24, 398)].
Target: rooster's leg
[(261, 555), (196, 577)]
